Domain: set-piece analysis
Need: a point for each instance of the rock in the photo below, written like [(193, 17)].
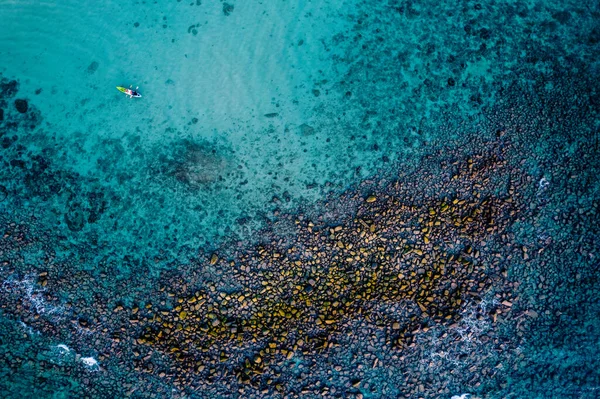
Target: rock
[(1, 114), (306, 130), (93, 67), (214, 259), (75, 219), (8, 89), (227, 9), (21, 105), (195, 164), (272, 115), (371, 198), (532, 314)]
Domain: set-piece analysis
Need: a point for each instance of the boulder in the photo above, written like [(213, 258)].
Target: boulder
[(21, 105)]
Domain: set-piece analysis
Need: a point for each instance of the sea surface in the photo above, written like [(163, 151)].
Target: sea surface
[(394, 199)]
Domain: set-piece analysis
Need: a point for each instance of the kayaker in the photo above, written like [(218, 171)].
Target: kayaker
[(132, 92)]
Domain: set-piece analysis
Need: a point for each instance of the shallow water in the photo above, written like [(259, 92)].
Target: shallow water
[(258, 116)]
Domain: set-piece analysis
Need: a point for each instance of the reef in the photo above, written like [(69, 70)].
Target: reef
[(467, 265), (409, 260)]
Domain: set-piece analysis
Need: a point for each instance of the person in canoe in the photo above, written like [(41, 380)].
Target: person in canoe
[(130, 92)]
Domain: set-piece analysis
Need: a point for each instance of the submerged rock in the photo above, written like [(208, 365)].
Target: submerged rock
[(227, 8), (93, 67), (8, 88), (195, 164), (21, 105), (306, 130), (75, 219)]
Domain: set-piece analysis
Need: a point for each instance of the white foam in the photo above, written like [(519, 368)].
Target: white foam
[(28, 329), (90, 363), (64, 348), (463, 396), (33, 295)]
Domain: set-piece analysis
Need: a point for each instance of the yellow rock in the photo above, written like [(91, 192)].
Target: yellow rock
[(371, 198), (182, 315), (214, 259)]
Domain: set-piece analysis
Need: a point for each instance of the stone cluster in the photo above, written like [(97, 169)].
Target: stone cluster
[(423, 253)]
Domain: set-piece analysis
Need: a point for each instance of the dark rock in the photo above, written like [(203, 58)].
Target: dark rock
[(594, 36), (6, 142), (195, 164), (272, 115), (451, 82), (38, 91), (306, 130), (3, 193), (93, 67), (1, 114), (75, 219), (8, 88), (227, 8), (21, 105), (17, 163), (562, 16)]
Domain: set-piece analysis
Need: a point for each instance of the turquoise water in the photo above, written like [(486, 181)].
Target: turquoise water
[(260, 117), (198, 153)]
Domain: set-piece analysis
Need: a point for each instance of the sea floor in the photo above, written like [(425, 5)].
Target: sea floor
[(311, 199)]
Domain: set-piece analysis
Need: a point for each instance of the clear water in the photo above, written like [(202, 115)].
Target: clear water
[(253, 110)]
